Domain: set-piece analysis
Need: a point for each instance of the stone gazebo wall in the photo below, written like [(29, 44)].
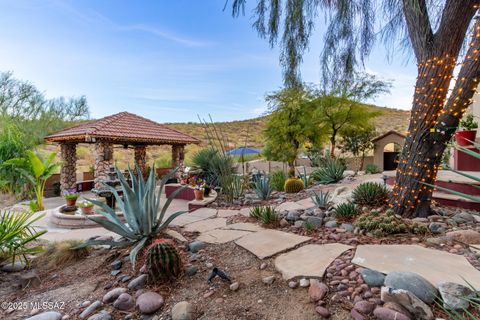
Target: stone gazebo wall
[(141, 159), (68, 173), (103, 161), (178, 155)]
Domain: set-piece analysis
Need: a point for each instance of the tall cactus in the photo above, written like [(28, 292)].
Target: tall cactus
[(163, 261)]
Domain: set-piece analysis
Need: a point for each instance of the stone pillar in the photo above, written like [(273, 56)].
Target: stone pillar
[(103, 161), (141, 159), (68, 171), (178, 155)]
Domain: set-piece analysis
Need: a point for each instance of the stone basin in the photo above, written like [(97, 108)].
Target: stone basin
[(76, 220)]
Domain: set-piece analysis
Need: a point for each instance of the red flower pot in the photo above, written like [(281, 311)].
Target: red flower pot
[(87, 210), (198, 195), (71, 202), (462, 137)]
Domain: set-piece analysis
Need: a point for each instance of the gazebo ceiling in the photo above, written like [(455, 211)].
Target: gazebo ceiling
[(122, 128)]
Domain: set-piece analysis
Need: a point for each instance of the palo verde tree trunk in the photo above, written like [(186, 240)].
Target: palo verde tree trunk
[(434, 119)]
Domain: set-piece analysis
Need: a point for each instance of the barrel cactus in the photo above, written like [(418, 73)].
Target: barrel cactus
[(294, 185), (163, 261)]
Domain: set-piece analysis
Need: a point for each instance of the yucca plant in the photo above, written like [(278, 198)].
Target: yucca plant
[(321, 199), (17, 232), (304, 177), (370, 194), (346, 211), (263, 188), (163, 261), (140, 205), (264, 214), (233, 187), (331, 171)]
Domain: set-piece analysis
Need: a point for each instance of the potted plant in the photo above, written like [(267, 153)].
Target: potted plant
[(71, 197), (206, 190), (198, 190), (467, 132), (86, 207)]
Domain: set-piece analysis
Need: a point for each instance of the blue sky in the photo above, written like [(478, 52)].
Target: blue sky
[(166, 60)]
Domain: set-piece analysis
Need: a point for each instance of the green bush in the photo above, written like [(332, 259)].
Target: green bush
[(370, 194), (212, 166), (17, 233), (380, 224), (263, 188), (321, 199), (277, 180), (372, 169), (331, 171), (346, 211), (264, 214)]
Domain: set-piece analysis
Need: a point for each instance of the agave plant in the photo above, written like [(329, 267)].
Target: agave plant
[(263, 188), (304, 177), (321, 199), (16, 233), (140, 206), (331, 171)]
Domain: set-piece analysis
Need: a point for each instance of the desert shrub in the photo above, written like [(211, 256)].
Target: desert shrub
[(331, 171), (212, 166), (163, 262), (264, 214), (321, 199), (62, 253), (140, 205), (346, 211), (263, 188), (380, 224), (370, 194), (294, 185), (17, 233), (372, 169), (277, 180), (163, 161)]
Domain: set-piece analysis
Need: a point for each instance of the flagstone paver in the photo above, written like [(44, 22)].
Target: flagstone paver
[(226, 213), (245, 212), (245, 226), (197, 215), (267, 243), (221, 235), (205, 225), (289, 206), (309, 261), (434, 265)]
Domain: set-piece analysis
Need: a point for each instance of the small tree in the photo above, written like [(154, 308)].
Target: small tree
[(289, 126), (358, 141)]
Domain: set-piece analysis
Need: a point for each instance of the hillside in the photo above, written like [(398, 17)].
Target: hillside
[(237, 132)]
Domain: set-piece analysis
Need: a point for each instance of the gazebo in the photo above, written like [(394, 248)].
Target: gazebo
[(124, 129)]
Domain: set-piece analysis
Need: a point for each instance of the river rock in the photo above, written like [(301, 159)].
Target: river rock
[(331, 224), (465, 236), (196, 246), (15, 267), (124, 302), (182, 311), (48, 315), (90, 309), (149, 302), (268, 280), (315, 221), (454, 295), (409, 301), (436, 228), (102, 315), (317, 290), (364, 307), (113, 294), (373, 278), (138, 283), (388, 314), (116, 265), (412, 282)]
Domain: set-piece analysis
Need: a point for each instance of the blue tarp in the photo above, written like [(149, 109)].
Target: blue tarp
[(243, 150)]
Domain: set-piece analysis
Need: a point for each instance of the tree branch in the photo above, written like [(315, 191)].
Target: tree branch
[(419, 27)]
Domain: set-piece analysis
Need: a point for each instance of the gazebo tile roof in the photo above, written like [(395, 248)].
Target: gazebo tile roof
[(123, 127)]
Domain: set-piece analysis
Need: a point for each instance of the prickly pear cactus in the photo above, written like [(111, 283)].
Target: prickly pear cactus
[(293, 185), (163, 261)]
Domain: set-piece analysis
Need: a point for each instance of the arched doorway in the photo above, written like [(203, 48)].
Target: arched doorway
[(386, 150), (391, 155)]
